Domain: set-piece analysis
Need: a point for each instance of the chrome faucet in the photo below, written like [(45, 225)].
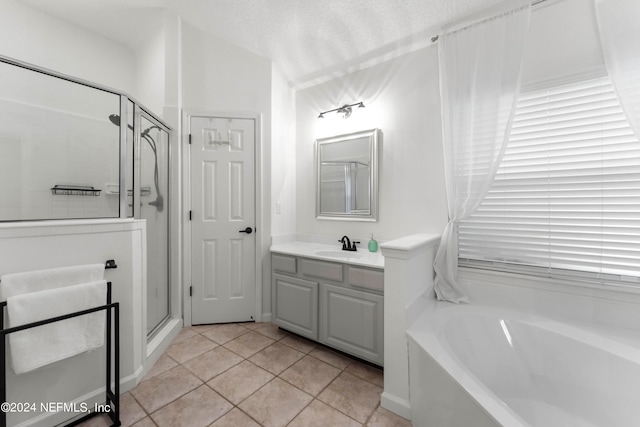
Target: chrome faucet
[(347, 245)]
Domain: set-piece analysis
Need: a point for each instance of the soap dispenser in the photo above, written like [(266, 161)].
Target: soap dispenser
[(373, 245)]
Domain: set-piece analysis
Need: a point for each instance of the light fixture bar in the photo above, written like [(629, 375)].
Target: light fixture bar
[(345, 110)]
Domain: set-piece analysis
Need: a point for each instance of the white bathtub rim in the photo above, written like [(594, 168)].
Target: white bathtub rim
[(428, 339), (486, 400), (596, 308), (620, 349), (577, 332)]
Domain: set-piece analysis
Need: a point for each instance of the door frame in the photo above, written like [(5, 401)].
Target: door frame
[(261, 213)]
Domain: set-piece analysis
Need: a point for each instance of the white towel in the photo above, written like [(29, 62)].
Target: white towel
[(40, 346), (40, 280)]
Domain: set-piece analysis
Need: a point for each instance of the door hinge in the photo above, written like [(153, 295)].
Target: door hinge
[(190, 215), (189, 139), (190, 291)]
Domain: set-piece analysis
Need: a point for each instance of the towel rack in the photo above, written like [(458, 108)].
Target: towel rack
[(113, 334)]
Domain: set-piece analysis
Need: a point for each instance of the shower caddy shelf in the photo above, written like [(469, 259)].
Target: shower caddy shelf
[(112, 334), (74, 190), (114, 190)]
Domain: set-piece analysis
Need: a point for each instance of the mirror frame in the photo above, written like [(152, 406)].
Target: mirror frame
[(374, 136)]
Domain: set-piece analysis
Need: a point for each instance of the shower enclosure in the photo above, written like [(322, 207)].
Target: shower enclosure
[(154, 192), (68, 147)]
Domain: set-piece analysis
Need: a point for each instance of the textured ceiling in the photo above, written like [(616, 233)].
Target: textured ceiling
[(307, 39)]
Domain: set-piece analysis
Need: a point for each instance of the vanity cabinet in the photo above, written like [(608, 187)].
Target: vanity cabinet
[(339, 305)]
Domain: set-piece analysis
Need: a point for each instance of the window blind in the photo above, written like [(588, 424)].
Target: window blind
[(566, 197)]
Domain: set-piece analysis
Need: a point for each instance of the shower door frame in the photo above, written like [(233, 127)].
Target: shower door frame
[(175, 310), (138, 114)]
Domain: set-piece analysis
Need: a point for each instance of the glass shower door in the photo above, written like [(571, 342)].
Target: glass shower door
[(154, 192)]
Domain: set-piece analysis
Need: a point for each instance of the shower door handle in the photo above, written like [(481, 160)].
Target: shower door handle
[(247, 230)]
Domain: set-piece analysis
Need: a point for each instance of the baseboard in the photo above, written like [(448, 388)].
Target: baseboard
[(266, 317), (162, 340), (155, 348), (129, 382), (90, 399), (396, 405)]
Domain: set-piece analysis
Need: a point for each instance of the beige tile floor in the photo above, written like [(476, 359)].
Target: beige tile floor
[(254, 374)]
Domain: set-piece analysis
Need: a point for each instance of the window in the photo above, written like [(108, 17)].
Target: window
[(566, 197)]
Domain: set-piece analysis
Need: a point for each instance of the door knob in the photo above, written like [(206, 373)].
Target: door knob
[(247, 230)]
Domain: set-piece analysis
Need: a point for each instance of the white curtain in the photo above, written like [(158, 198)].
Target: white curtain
[(479, 83), (619, 26)]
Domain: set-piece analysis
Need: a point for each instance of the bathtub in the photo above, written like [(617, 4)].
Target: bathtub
[(482, 366)]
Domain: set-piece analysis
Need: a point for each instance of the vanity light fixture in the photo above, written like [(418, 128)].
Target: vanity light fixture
[(345, 110)]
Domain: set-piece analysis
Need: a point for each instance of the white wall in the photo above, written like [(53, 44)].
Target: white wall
[(173, 72), (150, 72), (402, 99), (563, 41), (35, 246), (217, 76), (283, 157), (283, 172), (220, 78), (32, 36)]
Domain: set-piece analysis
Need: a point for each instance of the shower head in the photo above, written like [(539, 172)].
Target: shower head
[(159, 202), (149, 129), (115, 119)]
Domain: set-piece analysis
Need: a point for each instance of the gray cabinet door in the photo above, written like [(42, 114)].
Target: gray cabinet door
[(296, 305), (352, 321)]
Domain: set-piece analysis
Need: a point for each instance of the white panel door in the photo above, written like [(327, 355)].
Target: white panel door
[(223, 244)]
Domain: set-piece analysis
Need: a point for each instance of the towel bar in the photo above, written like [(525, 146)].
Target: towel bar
[(110, 263), (113, 334)]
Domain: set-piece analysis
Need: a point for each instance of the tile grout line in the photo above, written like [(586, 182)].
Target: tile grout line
[(316, 397), (271, 380), (244, 359), (319, 393), (342, 371), (264, 385), (351, 362), (260, 388), (147, 414)]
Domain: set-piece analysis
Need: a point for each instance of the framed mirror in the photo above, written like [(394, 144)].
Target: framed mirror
[(347, 176)]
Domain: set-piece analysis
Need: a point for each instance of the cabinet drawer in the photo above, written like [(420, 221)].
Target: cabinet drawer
[(321, 269), (284, 263), (365, 278)]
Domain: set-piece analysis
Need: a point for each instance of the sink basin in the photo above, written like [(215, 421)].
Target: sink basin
[(338, 254)]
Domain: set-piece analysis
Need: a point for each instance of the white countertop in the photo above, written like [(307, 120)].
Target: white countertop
[(334, 253)]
